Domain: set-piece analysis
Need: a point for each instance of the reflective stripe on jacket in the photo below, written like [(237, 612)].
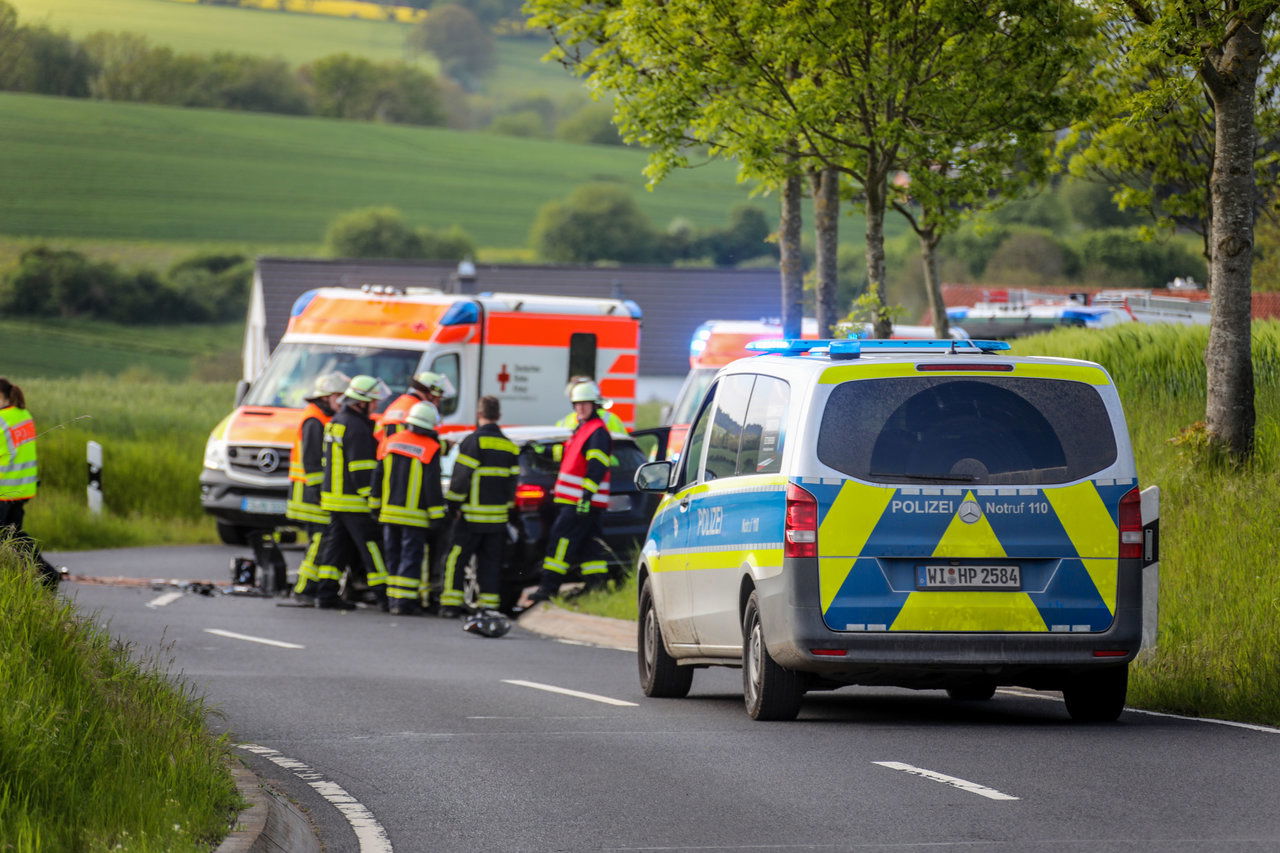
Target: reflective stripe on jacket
[(585, 467), (409, 479), (18, 469), (612, 421), (306, 468), (349, 463), (484, 476)]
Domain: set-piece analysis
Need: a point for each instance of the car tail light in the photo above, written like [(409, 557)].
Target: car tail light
[(801, 530), (529, 497), (1131, 525)]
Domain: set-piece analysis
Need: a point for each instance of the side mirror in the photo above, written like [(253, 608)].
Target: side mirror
[(242, 388), (654, 476)]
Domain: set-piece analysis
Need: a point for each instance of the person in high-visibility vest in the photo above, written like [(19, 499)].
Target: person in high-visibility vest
[(612, 421), (425, 387), (346, 493), (19, 475), (582, 495), (412, 502), (482, 493), (306, 473)]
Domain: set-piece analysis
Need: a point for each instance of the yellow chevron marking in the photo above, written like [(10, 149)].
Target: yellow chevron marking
[(1096, 539), (845, 531), (969, 540), (968, 611)]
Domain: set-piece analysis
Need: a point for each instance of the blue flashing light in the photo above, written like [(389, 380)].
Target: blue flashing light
[(1083, 315), (300, 304), (853, 347), (845, 349), (696, 346), (461, 314), (789, 346)]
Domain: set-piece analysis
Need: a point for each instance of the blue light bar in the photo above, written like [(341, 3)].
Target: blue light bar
[(854, 347), (788, 346), (908, 345)]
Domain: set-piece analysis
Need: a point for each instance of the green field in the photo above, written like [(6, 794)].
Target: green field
[(79, 168), (198, 28)]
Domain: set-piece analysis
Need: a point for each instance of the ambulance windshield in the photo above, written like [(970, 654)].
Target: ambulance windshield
[(691, 393), (943, 430), (291, 373)]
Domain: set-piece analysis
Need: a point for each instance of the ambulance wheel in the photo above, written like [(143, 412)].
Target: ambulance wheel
[(770, 691), (1097, 697), (972, 692), (660, 676), (231, 534)]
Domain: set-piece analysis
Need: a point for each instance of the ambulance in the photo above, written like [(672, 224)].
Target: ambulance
[(520, 348)]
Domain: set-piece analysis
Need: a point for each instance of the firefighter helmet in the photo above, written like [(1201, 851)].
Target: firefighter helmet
[(436, 384), (329, 383), (423, 415), (366, 389), (585, 392), (487, 623)]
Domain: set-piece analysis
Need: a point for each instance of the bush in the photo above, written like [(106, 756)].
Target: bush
[(1043, 210), (240, 81), (746, 237), (346, 86), (451, 244), (1032, 256), (372, 232), (1119, 257), (216, 285), (1091, 205), (524, 123), (597, 222), (591, 125)]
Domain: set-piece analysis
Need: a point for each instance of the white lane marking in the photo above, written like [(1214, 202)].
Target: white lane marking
[(162, 600), (1254, 727), (567, 692), (370, 834), (630, 649), (962, 784), (233, 635)]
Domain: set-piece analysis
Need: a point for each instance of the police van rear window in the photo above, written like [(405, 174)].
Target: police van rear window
[(949, 430)]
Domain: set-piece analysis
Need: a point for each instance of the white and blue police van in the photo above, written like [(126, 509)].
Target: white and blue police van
[(923, 514)]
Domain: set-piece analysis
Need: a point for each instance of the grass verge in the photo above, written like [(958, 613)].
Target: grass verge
[(1218, 652), (98, 751)]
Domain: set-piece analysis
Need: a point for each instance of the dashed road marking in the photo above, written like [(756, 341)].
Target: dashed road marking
[(162, 600), (567, 692), (370, 834), (263, 640), (962, 784)]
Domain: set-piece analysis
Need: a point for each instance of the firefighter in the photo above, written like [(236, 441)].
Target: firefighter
[(482, 492), (412, 502), (426, 387), (19, 476), (582, 495), (612, 421), (346, 492), (306, 473)]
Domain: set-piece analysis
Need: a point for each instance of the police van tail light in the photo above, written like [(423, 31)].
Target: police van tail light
[(1131, 525), (529, 497), (801, 528)]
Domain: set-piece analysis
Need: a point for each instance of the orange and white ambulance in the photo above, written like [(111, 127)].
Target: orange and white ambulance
[(520, 348)]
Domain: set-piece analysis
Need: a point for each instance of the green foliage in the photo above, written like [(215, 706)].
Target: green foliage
[(77, 709), (596, 222), (382, 232), (352, 87), (745, 237), (459, 41), (1092, 205), (35, 58), (523, 123), (1123, 256), (590, 125), (1032, 256), (1045, 209), (215, 284)]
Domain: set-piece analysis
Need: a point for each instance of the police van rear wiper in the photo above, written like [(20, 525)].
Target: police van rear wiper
[(944, 477)]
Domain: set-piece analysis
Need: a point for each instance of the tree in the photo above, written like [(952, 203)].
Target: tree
[(1183, 51), (463, 46), (346, 86), (591, 125), (372, 232), (597, 222)]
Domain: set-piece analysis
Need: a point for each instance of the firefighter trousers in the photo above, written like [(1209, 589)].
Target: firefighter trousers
[(308, 576), (574, 539), (350, 539), (403, 548), (485, 542)]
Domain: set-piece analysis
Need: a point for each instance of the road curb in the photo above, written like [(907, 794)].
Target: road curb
[(558, 623), (271, 823)]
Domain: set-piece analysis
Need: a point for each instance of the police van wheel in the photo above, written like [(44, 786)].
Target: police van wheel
[(972, 692), (770, 691), (1097, 697), (660, 676)]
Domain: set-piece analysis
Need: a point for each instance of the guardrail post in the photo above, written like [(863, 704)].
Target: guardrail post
[(94, 455)]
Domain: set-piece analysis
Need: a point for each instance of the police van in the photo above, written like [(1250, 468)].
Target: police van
[(925, 514)]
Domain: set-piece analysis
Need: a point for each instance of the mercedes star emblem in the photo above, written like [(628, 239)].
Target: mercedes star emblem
[(268, 460), (970, 512)]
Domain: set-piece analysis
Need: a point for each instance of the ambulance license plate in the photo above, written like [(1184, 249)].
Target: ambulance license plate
[(262, 506), (968, 577)]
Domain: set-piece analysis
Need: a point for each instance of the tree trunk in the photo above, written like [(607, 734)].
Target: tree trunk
[(1229, 403), (877, 192), (791, 263), (826, 225), (929, 239)]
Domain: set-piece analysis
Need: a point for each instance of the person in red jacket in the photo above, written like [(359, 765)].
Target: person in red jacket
[(425, 387), (581, 495)]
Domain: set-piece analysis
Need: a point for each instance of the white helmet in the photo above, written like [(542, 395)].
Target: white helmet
[(436, 383), (585, 392), (423, 415), (329, 383)]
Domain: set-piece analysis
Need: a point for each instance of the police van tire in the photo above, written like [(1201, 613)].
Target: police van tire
[(972, 692), (231, 534), (1097, 697), (770, 691), (660, 676)]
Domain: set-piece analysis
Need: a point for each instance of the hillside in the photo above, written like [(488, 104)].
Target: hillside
[(78, 168), (199, 28)]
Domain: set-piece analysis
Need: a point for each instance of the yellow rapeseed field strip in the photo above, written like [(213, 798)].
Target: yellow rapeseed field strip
[(336, 9)]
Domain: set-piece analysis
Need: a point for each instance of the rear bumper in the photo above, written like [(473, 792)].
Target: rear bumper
[(794, 627), (224, 499)]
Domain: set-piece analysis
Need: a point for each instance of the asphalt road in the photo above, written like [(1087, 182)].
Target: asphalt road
[(421, 726)]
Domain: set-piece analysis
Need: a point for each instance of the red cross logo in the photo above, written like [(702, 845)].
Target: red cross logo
[(503, 378)]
